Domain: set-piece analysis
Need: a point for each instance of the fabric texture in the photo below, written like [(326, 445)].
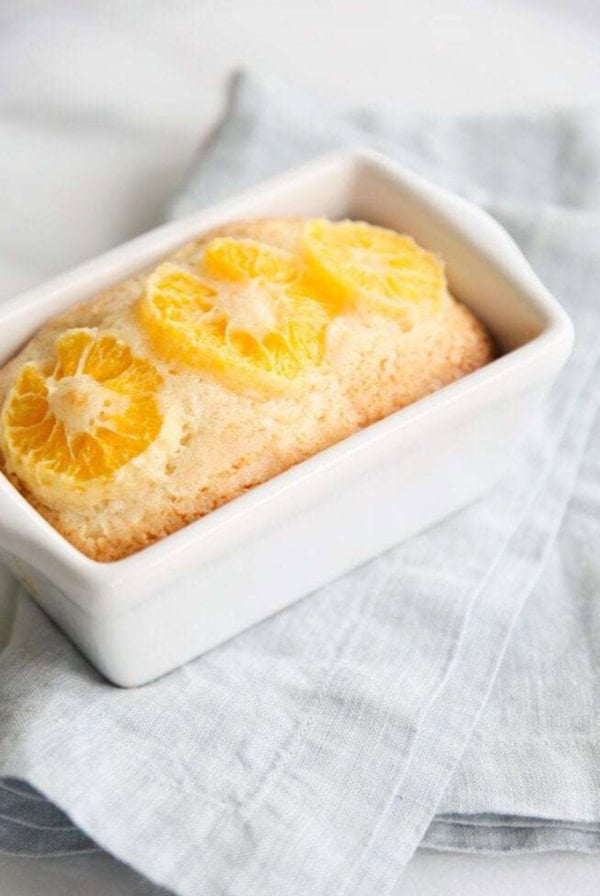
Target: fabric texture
[(445, 694)]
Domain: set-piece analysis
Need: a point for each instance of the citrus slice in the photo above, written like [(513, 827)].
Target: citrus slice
[(249, 322), (83, 416), (359, 265), (226, 258)]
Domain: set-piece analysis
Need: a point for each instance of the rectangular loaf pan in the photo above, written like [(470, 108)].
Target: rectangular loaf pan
[(140, 617)]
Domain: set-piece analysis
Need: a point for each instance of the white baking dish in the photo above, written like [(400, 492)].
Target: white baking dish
[(140, 617)]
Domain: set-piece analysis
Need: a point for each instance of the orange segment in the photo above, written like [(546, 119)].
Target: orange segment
[(226, 258), (86, 415), (251, 325), (360, 265)]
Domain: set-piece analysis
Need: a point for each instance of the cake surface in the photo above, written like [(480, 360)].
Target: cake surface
[(247, 351)]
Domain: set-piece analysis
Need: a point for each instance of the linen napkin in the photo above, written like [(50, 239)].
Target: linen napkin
[(315, 750)]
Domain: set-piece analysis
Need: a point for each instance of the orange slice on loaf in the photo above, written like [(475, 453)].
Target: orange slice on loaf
[(244, 317), (228, 258), (83, 416), (362, 266)]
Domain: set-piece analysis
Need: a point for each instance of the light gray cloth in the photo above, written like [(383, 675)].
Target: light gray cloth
[(313, 752)]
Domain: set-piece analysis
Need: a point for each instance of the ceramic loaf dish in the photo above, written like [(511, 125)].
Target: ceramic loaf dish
[(138, 617)]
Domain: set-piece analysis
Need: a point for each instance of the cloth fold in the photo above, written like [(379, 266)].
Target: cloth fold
[(321, 748)]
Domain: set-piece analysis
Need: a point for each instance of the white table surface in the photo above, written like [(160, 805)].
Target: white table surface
[(102, 106)]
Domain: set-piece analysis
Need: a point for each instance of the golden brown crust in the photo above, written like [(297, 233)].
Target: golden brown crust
[(224, 443)]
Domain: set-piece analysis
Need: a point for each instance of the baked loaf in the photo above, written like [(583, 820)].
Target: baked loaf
[(250, 349)]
